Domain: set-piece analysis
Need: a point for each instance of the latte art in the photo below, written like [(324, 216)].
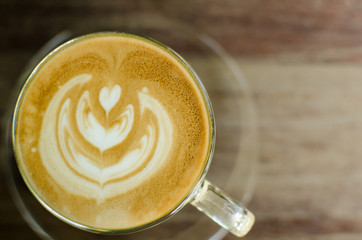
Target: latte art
[(67, 161), (112, 131)]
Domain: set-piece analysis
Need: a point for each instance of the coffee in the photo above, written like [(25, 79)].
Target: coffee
[(112, 131)]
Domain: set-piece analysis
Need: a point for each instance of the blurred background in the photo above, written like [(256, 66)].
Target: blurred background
[(302, 61)]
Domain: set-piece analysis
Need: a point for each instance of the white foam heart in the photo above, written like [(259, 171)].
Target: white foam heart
[(97, 134), (73, 167), (109, 98)]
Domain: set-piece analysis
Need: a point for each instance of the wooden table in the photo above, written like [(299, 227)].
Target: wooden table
[(302, 60)]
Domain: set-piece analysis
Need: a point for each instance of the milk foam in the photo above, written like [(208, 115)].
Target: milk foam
[(112, 131), (74, 167), (101, 136)]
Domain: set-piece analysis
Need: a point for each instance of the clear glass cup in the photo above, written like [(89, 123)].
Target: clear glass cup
[(234, 161)]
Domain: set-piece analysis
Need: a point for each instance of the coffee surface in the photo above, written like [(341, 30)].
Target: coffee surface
[(112, 131)]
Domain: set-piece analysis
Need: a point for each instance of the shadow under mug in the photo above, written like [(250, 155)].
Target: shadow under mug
[(205, 196)]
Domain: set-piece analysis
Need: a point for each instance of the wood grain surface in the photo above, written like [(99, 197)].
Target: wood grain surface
[(302, 61)]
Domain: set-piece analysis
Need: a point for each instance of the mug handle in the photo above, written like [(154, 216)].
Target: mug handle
[(225, 211)]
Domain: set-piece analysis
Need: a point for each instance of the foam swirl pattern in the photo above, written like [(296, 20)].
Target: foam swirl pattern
[(69, 163)]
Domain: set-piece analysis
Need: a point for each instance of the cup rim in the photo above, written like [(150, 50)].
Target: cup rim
[(210, 152)]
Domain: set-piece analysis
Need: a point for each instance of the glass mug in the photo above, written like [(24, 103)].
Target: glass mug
[(206, 197)]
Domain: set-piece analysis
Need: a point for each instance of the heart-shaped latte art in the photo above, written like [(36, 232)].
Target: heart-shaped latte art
[(76, 167), (93, 131), (109, 98)]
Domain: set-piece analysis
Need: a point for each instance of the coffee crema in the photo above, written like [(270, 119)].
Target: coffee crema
[(112, 131)]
